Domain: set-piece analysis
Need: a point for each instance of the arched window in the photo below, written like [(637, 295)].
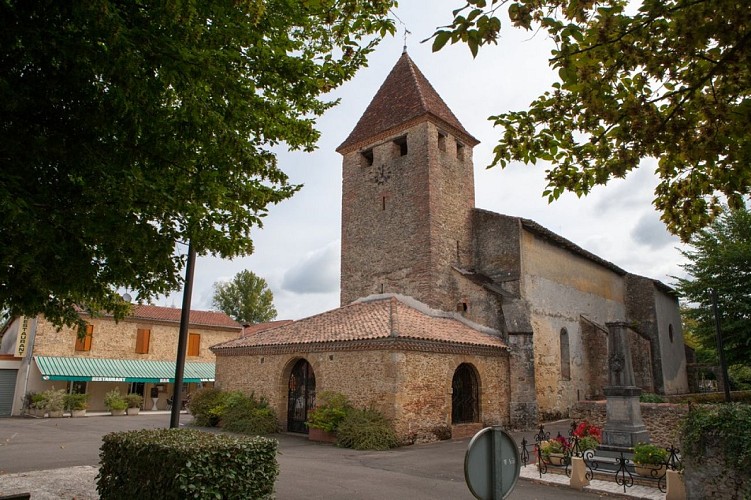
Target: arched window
[(565, 355), (465, 401)]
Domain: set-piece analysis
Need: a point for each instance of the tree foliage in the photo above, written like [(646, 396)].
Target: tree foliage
[(246, 299), (126, 127), (720, 261), (671, 80)]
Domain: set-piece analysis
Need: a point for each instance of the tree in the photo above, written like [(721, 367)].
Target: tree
[(128, 127), (246, 299), (720, 261), (671, 81)]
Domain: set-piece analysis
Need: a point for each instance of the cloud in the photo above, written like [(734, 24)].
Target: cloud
[(318, 272), (651, 231)]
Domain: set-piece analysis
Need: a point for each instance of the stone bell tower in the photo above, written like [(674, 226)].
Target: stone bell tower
[(407, 194)]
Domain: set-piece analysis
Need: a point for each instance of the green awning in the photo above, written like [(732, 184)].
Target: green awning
[(120, 370)]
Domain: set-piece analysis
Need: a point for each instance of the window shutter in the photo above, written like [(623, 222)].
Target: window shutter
[(143, 338), (194, 344), (84, 344)]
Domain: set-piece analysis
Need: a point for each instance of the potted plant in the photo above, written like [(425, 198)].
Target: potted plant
[(134, 402), (34, 403), (324, 419), (589, 436), (553, 450), (115, 402), (650, 460), (77, 404), (55, 402)]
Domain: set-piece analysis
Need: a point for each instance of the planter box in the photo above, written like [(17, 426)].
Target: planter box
[(321, 436), (133, 411), (117, 413), (56, 413), (555, 459), (647, 470), (77, 413)]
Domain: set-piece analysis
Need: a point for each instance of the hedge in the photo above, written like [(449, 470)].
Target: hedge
[(186, 463)]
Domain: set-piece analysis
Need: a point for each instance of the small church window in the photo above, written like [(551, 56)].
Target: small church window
[(401, 145), (670, 333), (460, 150), (565, 356), (462, 307), (367, 157), (441, 141)]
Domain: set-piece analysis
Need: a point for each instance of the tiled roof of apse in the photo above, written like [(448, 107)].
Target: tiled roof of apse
[(373, 318), (405, 95)]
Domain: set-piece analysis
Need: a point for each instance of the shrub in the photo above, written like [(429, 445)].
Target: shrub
[(133, 400), (649, 454), (331, 409), (36, 400), (366, 429), (588, 443), (247, 415), (54, 399), (648, 397), (727, 425), (113, 400), (442, 432), (76, 401), (186, 463), (201, 405)]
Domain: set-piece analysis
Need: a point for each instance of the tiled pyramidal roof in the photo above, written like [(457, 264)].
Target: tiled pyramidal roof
[(371, 319), (404, 96)]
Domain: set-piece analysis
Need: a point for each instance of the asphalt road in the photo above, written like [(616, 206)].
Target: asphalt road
[(307, 470)]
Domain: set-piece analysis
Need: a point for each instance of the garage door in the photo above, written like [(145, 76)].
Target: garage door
[(7, 389)]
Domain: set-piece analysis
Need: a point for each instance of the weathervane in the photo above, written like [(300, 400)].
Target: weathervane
[(406, 32)]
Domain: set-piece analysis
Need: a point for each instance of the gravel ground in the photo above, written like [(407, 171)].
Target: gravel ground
[(69, 483)]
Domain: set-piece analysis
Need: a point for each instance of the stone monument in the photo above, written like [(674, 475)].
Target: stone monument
[(624, 426)]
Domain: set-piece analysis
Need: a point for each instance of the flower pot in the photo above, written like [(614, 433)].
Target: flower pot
[(649, 470), (77, 413), (555, 459), (117, 413), (321, 436), (133, 411), (56, 413)]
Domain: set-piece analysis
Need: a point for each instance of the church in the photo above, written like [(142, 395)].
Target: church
[(451, 316)]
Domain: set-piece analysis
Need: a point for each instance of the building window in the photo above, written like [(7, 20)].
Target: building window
[(460, 150), (84, 344), (366, 158), (462, 307), (143, 336), (565, 356), (76, 387), (401, 145), (441, 141), (194, 344)]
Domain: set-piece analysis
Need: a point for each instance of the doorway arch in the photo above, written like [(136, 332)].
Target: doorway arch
[(301, 396), (465, 400)]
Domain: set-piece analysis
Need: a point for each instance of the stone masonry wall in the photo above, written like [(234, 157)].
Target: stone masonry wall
[(118, 340), (412, 388), (661, 419)]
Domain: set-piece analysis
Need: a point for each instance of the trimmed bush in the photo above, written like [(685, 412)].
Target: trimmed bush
[(246, 415), (76, 401), (133, 400), (648, 397), (186, 463), (366, 429), (113, 400)]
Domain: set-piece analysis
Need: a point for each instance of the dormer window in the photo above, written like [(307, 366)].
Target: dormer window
[(366, 158), (401, 145)]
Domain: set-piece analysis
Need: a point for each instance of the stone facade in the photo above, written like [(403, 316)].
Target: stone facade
[(411, 388), (111, 340)]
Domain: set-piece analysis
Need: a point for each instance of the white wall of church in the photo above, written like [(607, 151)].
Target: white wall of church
[(560, 286)]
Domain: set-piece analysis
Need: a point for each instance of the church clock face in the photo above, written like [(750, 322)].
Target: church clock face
[(382, 175)]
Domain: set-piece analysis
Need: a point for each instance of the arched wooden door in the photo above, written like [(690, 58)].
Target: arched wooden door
[(465, 407), (301, 396)]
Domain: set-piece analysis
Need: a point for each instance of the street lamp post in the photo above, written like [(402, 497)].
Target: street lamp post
[(182, 342)]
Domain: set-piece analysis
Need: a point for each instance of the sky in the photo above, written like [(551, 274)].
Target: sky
[(297, 250)]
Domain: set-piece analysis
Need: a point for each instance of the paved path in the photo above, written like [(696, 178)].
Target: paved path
[(56, 458)]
